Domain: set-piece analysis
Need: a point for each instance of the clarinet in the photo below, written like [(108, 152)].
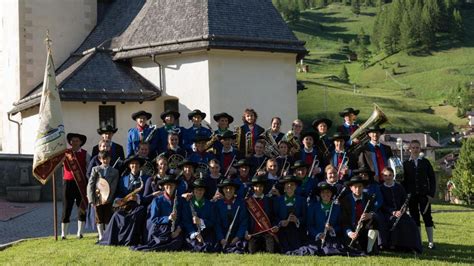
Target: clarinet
[(403, 210), (231, 226), (360, 223), (175, 210), (194, 214), (336, 201)]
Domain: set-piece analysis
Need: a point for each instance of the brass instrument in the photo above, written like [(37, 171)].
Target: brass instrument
[(248, 144), (238, 135), (271, 147), (343, 165), (376, 118), (397, 167), (148, 169), (174, 160), (122, 203), (201, 169), (214, 137), (314, 164), (290, 138)]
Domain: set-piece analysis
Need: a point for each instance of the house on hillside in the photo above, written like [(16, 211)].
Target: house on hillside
[(114, 57), (428, 144)]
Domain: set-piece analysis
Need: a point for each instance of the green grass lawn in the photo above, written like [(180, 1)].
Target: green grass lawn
[(411, 99), (453, 235)]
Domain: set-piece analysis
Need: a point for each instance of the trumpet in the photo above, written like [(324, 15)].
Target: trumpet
[(248, 144), (314, 164), (342, 165)]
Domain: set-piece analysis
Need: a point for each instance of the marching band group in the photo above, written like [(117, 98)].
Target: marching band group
[(250, 189)]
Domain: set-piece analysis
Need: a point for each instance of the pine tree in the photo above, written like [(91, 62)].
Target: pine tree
[(355, 7), (361, 38), (363, 55), (407, 33), (463, 174), (457, 27), (344, 75), (427, 28)]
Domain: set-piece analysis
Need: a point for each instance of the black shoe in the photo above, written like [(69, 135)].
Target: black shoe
[(80, 236), (63, 238)]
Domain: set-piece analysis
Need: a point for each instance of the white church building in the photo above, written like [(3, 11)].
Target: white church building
[(117, 57)]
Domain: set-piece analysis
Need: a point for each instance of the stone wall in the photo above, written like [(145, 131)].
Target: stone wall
[(16, 171)]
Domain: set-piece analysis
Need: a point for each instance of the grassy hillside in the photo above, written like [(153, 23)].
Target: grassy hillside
[(412, 99)]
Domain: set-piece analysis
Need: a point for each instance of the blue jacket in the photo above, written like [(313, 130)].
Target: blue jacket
[(225, 216), (205, 213), (133, 141), (282, 211), (162, 137), (374, 188), (161, 208), (316, 219)]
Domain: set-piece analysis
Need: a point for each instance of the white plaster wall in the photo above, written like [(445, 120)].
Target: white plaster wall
[(263, 81), (185, 76), (84, 118)]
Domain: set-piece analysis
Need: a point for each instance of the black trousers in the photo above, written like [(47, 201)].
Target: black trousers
[(416, 206), (71, 195), (262, 242)]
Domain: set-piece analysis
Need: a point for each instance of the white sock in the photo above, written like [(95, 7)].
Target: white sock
[(429, 233), (100, 230), (64, 229), (372, 237), (80, 227)]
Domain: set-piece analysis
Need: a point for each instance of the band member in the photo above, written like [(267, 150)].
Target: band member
[(284, 160), (174, 150), (103, 209), (258, 157), (103, 145), (199, 219), (349, 126), (152, 188), (249, 132), (342, 160), (140, 133), (371, 187), (223, 121), (166, 213), (308, 184), (275, 129), (128, 221), (420, 182), (308, 154), (186, 178), (332, 179), (271, 174), (227, 155), (232, 219), (258, 240), (404, 234), (201, 156), (116, 150), (375, 155), (212, 180), (196, 117), (242, 177), (352, 211), (170, 119), (290, 213), (71, 191), (294, 136), (323, 143)]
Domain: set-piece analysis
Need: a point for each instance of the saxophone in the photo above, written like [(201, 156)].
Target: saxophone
[(122, 203)]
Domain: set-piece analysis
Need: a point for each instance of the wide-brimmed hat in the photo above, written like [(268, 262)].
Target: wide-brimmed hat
[(375, 128), (170, 112), (140, 160), (187, 162), (196, 112), (201, 137), (363, 170), (69, 137), (259, 179), (242, 162), (228, 182), (312, 134), (199, 183), (226, 135), (219, 115), (356, 180), (321, 120), (168, 179), (325, 186), (141, 113), (299, 164), (338, 135), (106, 129), (290, 178), (349, 110)]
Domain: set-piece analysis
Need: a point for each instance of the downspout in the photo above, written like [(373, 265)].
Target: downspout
[(18, 132), (160, 67)]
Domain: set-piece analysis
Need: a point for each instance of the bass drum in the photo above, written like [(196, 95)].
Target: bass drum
[(397, 166)]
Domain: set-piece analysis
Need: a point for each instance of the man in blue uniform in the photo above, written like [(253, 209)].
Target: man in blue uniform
[(169, 119), (140, 133), (196, 117)]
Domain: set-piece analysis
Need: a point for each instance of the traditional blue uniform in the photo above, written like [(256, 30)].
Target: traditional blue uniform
[(307, 186), (292, 236), (255, 163), (190, 133), (162, 136), (205, 211), (135, 136), (225, 213)]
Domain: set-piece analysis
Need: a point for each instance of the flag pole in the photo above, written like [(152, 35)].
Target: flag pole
[(55, 209)]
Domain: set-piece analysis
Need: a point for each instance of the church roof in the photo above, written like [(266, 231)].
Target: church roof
[(99, 70), (164, 26)]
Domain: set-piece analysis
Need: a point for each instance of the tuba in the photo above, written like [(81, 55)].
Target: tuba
[(271, 147), (376, 118), (290, 138)]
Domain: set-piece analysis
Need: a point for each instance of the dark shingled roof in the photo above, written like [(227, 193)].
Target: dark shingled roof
[(132, 28), (165, 26)]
